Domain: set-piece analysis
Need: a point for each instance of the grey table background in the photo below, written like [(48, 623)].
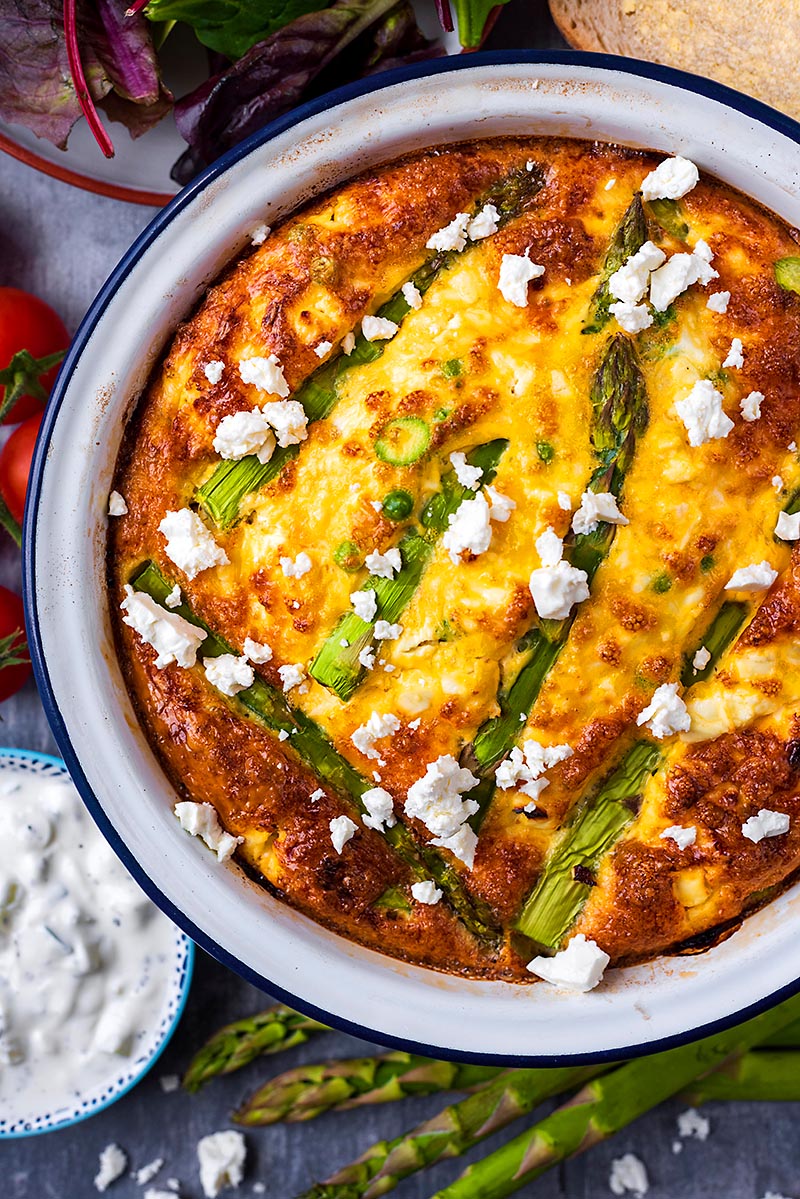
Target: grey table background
[(61, 244)]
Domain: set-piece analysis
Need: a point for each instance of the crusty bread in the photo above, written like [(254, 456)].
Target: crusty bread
[(750, 45)]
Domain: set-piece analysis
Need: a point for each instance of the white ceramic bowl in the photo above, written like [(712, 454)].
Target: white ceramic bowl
[(156, 284)]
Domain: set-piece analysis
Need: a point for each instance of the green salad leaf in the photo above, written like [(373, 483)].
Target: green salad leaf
[(231, 27)]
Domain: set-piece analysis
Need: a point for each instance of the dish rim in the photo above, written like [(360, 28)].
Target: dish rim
[(694, 84)]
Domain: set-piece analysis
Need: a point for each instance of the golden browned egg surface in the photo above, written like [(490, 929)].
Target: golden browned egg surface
[(536, 391)]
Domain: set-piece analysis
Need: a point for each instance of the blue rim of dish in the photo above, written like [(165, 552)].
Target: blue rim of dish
[(695, 84), (32, 755)]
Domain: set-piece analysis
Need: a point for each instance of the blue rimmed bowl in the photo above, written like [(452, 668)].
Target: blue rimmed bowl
[(123, 1073), (156, 285)]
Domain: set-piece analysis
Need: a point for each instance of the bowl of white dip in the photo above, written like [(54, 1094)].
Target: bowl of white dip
[(93, 977)]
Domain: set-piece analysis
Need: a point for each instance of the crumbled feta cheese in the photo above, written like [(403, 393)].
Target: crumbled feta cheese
[(365, 603), (701, 658), (260, 234), (348, 343), (315, 795), (383, 566), (116, 505), (173, 638), (692, 1124), (703, 250), (718, 301), (556, 586), (256, 651), (366, 657), (596, 506), (462, 844), (380, 809), (169, 1083), (524, 767), (452, 236), (426, 891), (221, 1156), (765, 824), (564, 501), (266, 374), (291, 675), (295, 568), (629, 283), (750, 405), (201, 820), (671, 179), (288, 420), (608, 186), (147, 1173), (378, 328), (549, 547), (190, 545), (468, 476), (702, 413), (777, 483), (735, 356), (322, 348), (788, 526), (174, 599), (516, 272), (666, 713), (283, 735), (436, 799), (387, 632), (484, 224), (682, 836), (229, 673), (469, 529), (113, 1163), (343, 829), (376, 727), (579, 967), (792, 447), (411, 295), (672, 279), (628, 1176), (244, 433), (633, 318), (213, 370), (500, 506), (757, 577)]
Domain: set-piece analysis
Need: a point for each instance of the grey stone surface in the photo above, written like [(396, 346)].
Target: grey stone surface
[(62, 243)]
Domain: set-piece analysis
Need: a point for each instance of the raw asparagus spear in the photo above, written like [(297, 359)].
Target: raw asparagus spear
[(628, 237), (772, 1075), (269, 706), (336, 664), (309, 1091), (221, 495), (237, 1044), (454, 1131), (606, 1105)]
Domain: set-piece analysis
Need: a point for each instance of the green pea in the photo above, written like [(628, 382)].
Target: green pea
[(397, 505), (348, 556)]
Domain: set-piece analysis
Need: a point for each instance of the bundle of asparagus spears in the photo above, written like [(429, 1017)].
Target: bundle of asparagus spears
[(757, 1060)]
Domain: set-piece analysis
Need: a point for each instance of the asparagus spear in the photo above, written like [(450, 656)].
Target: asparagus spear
[(309, 1091), (724, 627), (628, 237), (606, 1105), (771, 1075), (454, 1131), (222, 494), (269, 706), (237, 1044), (336, 664)]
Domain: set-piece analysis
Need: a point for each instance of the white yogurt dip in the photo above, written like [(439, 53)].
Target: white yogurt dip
[(86, 960)]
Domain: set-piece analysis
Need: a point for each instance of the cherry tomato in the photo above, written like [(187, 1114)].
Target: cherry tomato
[(15, 465), (27, 323), (14, 664)]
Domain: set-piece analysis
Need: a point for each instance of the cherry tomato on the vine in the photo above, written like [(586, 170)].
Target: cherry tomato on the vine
[(27, 323), (15, 465), (14, 663)]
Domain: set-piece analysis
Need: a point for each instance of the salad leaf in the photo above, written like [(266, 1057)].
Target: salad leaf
[(472, 16), (232, 27)]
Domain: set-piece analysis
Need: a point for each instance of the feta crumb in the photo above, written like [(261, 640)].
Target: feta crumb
[(628, 1176), (516, 272), (788, 526), (629, 283), (173, 638), (777, 483), (117, 505), (190, 544), (380, 809), (462, 844), (315, 795), (556, 586), (385, 565), (682, 836), (484, 224), (579, 967), (295, 568), (229, 673), (524, 767), (411, 295), (765, 824), (666, 713), (147, 1173), (692, 1124), (348, 343), (256, 651), (670, 180), (343, 829), (157, 1193), (243, 433), (500, 506), (169, 1083), (633, 318), (792, 447), (677, 1147), (366, 657), (757, 577), (702, 413), (221, 1156), (264, 373), (608, 186), (283, 735), (564, 501), (365, 604), (322, 348), (436, 799), (426, 891), (703, 250), (750, 405), (597, 506), (701, 658), (469, 529), (468, 476), (672, 279), (174, 599), (387, 632), (452, 236), (373, 730), (113, 1163), (291, 675), (201, 820), (213, 370), (260, 234), (735, 356), (288, 420), (718, 301)]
